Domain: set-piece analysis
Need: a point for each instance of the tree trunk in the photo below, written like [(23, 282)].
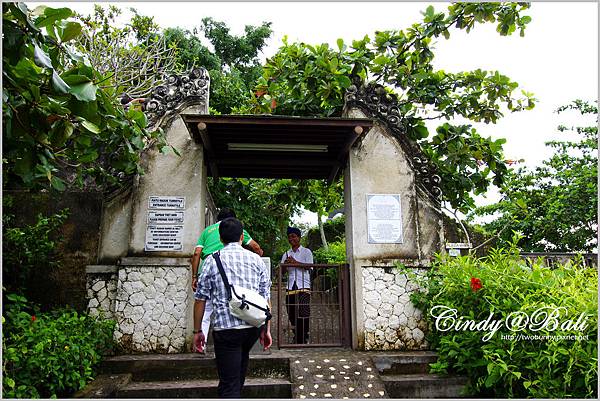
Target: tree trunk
[(322, 231)]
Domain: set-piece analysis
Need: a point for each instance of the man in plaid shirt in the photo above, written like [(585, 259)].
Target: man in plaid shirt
[(233, 338)]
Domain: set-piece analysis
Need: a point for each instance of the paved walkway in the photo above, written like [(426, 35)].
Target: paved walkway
[(333, 373), (328, 373)]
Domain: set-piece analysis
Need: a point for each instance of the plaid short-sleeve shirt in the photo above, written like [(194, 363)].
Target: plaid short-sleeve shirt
[(243, 268)]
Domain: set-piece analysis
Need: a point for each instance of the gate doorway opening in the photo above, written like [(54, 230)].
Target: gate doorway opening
[(319, 317), (242, 146)]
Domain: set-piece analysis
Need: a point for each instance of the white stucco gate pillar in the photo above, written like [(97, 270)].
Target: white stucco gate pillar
[(151, 227), (392, 216)]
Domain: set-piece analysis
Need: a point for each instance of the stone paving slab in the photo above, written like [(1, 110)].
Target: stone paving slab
[(336, 374)]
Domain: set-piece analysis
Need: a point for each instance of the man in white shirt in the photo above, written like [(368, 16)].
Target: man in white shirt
[(297, 297)]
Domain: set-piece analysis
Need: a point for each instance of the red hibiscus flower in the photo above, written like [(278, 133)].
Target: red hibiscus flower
[(476, 284), (33, 318)]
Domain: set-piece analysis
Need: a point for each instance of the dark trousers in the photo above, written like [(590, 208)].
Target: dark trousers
[(298, 309), (232, 351)]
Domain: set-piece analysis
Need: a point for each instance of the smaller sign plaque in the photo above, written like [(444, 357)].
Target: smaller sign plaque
[(454, 252), (164, 217), (164, 237), (166, 202), (458, 245)]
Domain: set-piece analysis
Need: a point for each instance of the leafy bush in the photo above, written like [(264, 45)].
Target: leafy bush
[(501, 284), (335, 230), (50, 354), (335, 254), (25, 249)]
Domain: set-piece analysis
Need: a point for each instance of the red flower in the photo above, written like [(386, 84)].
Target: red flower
[(476, 284), (33, 318)]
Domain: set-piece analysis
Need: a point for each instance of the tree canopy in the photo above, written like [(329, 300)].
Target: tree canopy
[(554, 206), (233, 64), (311, 80), (59, 126), (133, 57)]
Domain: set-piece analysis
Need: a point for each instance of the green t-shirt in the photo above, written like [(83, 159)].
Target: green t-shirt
[(210, 241)]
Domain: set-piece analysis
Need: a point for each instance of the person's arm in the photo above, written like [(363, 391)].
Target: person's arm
[(199, 336), (284, 258), (302, 265), (264, 289), (254, 247), (310, 259), (265, 334), (195, 263), (249, 243), (202, 293)]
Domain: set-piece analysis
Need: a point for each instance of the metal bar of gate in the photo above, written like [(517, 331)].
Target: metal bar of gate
[(347, 308), (279, 307), (342, 307)]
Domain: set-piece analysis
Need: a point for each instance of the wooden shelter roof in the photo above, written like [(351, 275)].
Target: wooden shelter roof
[(275, 146)]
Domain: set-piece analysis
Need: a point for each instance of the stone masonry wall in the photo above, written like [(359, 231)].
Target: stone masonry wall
[(102, 293), (151, 308), (391, 320)]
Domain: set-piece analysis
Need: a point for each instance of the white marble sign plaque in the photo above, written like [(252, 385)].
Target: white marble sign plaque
[(164, 230), (384, 219), (166, 202), (164, 237), (164, 217)]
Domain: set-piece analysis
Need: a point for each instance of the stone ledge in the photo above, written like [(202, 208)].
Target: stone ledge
[(383, 263), (96, 269), (158, 262)]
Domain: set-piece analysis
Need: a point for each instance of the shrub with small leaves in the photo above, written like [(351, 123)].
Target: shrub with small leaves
[(562, 362), (24, 248), (49, 354)]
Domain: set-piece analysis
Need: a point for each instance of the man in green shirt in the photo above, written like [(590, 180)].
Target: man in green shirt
[(208, 243)]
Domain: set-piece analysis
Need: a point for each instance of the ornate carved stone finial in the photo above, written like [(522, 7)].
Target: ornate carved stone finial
[(178, 92), (376, 101)]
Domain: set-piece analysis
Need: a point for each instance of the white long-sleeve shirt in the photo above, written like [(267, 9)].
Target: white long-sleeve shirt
[(298, 275)]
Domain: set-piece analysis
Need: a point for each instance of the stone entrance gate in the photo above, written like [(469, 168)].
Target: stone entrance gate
[(149, 230)]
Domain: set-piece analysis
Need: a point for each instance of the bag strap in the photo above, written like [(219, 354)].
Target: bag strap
[(229, 287), (217, 258)]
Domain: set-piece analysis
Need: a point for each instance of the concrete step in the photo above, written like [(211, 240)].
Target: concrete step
[(207, 388), (104, 386), (404, 362), (164, 367), (424, 386)]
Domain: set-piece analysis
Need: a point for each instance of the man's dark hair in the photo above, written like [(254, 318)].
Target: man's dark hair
[(230, 230), (225, 213)]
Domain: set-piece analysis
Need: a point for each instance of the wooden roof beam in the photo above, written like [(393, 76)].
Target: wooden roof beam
[(356, 133), (203, 133)]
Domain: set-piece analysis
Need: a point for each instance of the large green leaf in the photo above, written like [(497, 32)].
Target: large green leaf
[(69, 30), (75, 79), (40, 57), (90, 126), (51, 15), (58, 84), (88, 157), (85, 92), (39, 11), (57, 183), (24, 163)]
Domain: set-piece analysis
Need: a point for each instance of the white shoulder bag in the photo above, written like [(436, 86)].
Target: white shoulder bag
[(245, 304)]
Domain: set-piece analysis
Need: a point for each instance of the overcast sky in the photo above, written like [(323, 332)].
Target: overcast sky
[(557, 59)]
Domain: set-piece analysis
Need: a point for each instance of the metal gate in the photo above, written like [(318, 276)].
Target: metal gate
[(319, 317)]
